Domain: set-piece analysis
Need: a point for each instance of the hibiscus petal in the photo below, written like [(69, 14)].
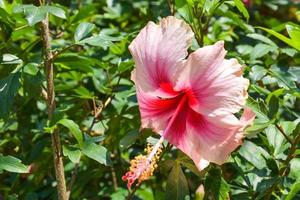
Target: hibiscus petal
[(155, 112), (217, 83), (158, 51), (212, 139)]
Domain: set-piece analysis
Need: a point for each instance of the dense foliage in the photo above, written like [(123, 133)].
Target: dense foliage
[(97, 114)]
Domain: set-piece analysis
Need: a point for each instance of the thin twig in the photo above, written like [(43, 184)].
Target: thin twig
[(97, 111), (283, 133), (131, 194), (62, 51), (73, 178)]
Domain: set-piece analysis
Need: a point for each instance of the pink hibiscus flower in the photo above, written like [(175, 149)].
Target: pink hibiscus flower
[(189, 102), (247, 2)]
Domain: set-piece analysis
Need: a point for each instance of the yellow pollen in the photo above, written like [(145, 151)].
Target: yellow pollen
[(144, 166)]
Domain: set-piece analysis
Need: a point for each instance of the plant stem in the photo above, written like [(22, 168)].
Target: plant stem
[(131, 194), (283, 133), (282, 171), (56, 145)]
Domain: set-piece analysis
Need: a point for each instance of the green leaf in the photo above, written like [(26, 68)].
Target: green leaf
[(12, 164), (35, 14), (295, 188), (74, 129), (258, 127), (241, 7), (83, 30), (289, 51), (259, 108), (58, 12), (8, 88), (125, 66), (261, 38), (185, 10), (273, 104), (260, 50), (31, 68), (72, 153), (177, 186), (32, 13), (210, 5), (215, 186), (96, 152), (128, 139), (100, 40), (75, 62), (282, 38), (10, 59), (258, 72), (83, 93), (249, 149), (294, 33), (295, 168), (285, 79), (275, 139)]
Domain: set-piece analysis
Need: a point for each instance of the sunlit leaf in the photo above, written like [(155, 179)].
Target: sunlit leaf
[(12, 164), (96, 152)]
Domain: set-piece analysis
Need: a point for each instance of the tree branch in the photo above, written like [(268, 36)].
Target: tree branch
[(56, 145)]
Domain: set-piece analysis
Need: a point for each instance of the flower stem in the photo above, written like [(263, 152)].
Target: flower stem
[(56, 144)]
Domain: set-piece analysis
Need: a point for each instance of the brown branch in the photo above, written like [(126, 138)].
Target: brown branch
[(283, 133), (282, 171), (56, 145)]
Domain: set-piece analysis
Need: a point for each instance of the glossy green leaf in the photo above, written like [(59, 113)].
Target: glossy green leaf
[(74, 62), (282, 38), (8, 89), (128, 139), (12, 164), (96, 152), (56, 11), (72, 153), (215, 186), (185, 9), (73, 128), (10, 59), (241, 7), (31, 68), (258, 127), (32, 13), (273, 104), (294, 190), (98, 40), (35, 14), (249, 149), (284, 78), (177, 186), (83, 30), (294, 33), (260, 50)]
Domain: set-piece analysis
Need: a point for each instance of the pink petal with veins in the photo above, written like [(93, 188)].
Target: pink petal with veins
[(191, 102)]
